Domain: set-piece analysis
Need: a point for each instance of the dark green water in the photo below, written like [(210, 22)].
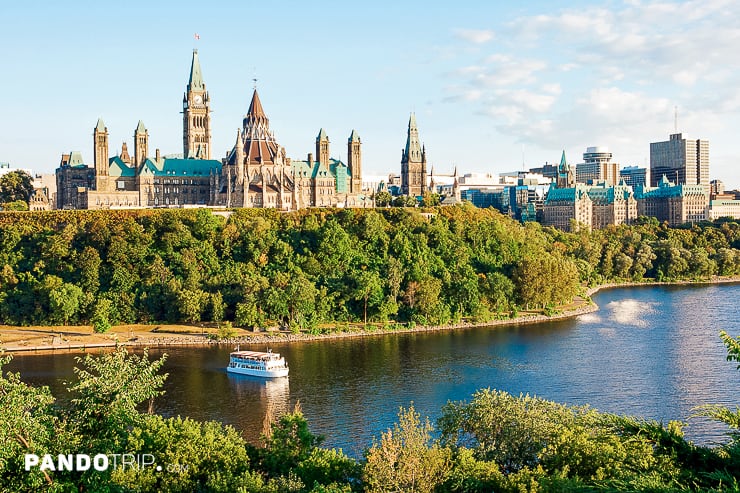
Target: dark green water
[(649, 351)]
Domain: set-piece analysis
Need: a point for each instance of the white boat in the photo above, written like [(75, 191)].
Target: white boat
[(269, 364)]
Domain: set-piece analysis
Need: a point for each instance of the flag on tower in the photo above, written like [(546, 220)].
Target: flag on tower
[(197, 36)]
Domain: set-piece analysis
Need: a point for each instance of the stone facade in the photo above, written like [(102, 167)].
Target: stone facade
[(256, 173), (592, 206), (413, 163), (674, 204)]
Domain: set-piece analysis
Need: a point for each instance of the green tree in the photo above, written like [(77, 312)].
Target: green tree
[(108, 392), (383, 199), (406, 459), (16, 186)]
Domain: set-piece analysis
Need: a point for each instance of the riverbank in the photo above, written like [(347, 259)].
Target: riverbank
[(76, 338)]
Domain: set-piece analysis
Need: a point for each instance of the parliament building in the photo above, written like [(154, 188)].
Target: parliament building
[(255, 173)]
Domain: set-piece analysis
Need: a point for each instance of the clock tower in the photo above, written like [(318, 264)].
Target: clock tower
[(196, 115)]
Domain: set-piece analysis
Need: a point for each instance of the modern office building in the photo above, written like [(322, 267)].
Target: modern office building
[(597, 166), (682, 161), (635, 176)]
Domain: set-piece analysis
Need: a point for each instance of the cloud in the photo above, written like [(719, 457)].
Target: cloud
[(476, 36), (607, 73)]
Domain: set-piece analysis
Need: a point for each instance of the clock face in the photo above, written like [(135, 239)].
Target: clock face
[(198, 100)]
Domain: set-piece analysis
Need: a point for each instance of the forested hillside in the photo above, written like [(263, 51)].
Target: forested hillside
[(264, 268)]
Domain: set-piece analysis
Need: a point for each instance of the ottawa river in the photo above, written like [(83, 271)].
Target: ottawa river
[(649, 351)]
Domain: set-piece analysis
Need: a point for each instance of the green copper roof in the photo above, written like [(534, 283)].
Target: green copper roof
[(182, 167), (75, 159), (116, 168), (140, 128), (196, 79), (354, 136), (100, 127), (413, 148), (322, 135)]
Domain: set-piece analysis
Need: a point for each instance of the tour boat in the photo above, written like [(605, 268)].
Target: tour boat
[(269, 364)]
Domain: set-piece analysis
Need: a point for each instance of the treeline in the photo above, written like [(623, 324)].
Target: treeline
[(301, 270), (494, 442)]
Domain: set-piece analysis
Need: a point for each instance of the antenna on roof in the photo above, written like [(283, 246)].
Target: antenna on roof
[(675, 119), (524, 168), (254, 79)]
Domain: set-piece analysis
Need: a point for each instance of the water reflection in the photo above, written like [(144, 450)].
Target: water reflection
[(652, 352)]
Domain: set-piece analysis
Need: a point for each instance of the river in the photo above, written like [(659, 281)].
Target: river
[(649, 351)]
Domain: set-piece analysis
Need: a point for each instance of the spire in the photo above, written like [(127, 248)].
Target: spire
[(140, 128), (322, 135), (354, 136), (196, 79), (100, 127), (563, 163), (413, 148), (255, 107)]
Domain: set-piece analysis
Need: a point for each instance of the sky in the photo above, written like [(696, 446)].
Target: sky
[(496, 86)]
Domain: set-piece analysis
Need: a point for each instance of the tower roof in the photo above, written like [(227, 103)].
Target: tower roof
[(196, 79), (322, 135), (255, 107), (354, 136), (100, 127), (413, 148), (140, 128)]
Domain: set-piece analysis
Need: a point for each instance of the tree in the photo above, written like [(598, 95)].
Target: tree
[(16, 186), (108, 392), (406, 459), (383, 199), (367, 286)]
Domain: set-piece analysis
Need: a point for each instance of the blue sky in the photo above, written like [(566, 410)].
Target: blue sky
[(493, 84)]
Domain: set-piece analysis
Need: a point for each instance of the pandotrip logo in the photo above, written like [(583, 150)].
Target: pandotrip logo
[(98, 462)]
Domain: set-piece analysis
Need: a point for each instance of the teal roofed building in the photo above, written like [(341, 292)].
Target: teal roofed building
[(257, 172), (590, 206), (674, 204), (157, 182)]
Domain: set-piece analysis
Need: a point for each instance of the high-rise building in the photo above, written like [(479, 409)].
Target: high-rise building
[(597, 166), (682, 161), (413, 163), (635, 176)]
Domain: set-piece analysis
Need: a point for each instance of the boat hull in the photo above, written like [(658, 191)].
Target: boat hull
[(275, 373)]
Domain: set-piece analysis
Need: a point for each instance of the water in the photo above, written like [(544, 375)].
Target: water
[(649, 351)]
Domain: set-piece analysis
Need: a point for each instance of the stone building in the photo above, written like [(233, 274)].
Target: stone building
[(413, 163), (256, 173), (675, 204)]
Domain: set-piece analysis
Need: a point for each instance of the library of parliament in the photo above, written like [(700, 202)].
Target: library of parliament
[(255, 173)]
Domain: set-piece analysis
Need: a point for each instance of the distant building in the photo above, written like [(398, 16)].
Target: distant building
[(547, 170), (723, 208), (672, 203), (635, 176), (592, 206), (255, 173), (44, 193), (413, 163), (565, 178), (597, 166), (682, 161)]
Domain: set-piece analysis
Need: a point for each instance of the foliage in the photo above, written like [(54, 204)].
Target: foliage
[(15, 186), (404, 460), (318, 267)]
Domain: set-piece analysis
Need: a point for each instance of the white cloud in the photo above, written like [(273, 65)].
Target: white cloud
[(476, 36)]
